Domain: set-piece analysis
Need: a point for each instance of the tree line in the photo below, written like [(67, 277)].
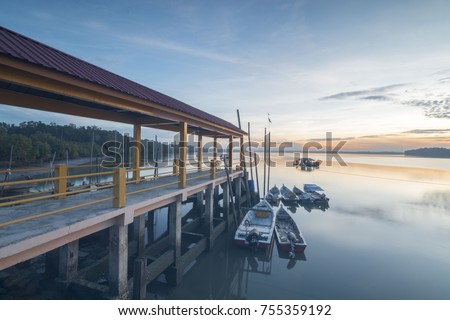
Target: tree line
[(35, 141)]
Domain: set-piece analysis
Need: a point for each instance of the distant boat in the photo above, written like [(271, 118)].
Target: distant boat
[(288, 235), (287, 195), (257, 227), (316, 192), (273, 195), (307, 163)]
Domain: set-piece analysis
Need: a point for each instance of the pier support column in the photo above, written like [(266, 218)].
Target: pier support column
[(237, 194), (199, 204), (183, 155), (176, 272), (139, 233), (230, 154), (150, 227), (52, 264), (200, 153), (242, 155), (216, 201), (209, 218), (68, 261), (226, 203), (215, 150), (137, 152), (118, 260)]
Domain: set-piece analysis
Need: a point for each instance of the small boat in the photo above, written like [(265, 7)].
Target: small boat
[(316, 192), (287, 195), (307, 163), (273, 195), (256, 229), (303, 197), (288, 235)]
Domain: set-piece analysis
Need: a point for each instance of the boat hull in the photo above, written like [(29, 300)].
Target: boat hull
[(285, 226)]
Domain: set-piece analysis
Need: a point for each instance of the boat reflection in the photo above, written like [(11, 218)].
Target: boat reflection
[(308, 206)]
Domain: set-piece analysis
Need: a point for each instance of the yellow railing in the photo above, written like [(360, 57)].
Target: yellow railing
[(118, 185)]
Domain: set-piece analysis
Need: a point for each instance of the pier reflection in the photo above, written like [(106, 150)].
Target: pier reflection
[(223, 273)]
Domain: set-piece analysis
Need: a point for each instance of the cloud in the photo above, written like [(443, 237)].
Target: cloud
[(427, 131), (433, 108), (430, 95), (365, 94), (178, 48)]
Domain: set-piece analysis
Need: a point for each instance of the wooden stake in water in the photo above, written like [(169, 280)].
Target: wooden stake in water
[(265, 162)]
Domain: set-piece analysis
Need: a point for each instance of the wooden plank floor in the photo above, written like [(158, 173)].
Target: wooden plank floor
[(24, 240)]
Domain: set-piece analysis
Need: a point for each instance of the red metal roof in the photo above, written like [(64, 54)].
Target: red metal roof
[(24, 48)]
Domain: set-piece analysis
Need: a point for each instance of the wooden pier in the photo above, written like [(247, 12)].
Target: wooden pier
[(55, 226), (52, 222)]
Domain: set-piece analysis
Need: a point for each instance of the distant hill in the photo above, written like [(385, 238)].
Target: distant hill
[(429, 152)]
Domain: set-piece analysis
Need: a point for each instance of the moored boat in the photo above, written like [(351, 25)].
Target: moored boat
[(288, 235), (287, 195), (303, 197), (273, 195), (257, 227), (316, 192)]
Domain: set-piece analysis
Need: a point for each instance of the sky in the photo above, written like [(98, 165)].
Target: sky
[(375, 74)]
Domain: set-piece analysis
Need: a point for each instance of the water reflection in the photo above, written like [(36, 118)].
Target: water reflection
[(385, 235)]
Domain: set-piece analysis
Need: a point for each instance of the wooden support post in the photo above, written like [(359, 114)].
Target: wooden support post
[(52, 264), (176, 164), (118, 261), (200, 153), (175, 240), (150, 228), (139, 285), (237, 194), (212, 169), (242, 155), (199, 203), (230, 154), (183, 155), (68, 261), (209, 218), (61, 183), (139, 233), (137, 152), (216, 201), (226, 203), (120, 187), (215, 149)]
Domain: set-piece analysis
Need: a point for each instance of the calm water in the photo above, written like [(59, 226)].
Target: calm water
[(386, 235)]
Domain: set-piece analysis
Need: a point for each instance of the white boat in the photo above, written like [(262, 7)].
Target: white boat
[(257, 227)]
